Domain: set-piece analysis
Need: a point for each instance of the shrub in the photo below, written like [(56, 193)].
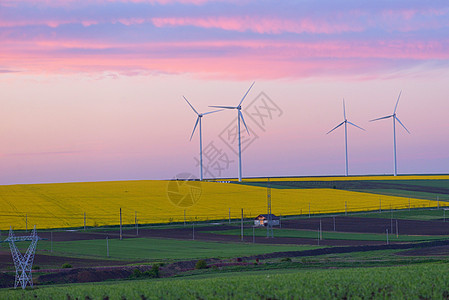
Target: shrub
[(154, 272), (286, 259), (201, 264), (66, 266), (136, 273)]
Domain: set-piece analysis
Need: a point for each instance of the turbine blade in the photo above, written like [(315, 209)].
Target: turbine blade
[(211, 112), (226, 107), (246, 93), (356, 126), (381, 118), (336, 127), (196, 124), (397, 102), (344, 108), (244, 123), (402, 124), (190, 105)]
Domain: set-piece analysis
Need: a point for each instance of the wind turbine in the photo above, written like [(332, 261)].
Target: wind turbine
[(394, 116), (239, 116), (198, 120), (345, 122)]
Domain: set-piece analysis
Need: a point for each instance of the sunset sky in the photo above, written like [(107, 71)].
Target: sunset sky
[(92, 90)]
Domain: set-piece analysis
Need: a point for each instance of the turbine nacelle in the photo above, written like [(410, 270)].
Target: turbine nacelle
[(345, 121)]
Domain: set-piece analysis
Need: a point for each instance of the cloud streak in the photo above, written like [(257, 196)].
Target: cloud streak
[(275, 40), (258, 25)]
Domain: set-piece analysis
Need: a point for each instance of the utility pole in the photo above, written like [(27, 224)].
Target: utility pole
[(397, 231), (391, 219), (120, 223), (269, 215), (321, 231), (241, 227), (137, 224)]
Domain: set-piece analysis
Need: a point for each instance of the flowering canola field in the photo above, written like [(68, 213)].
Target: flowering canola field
[(157, 201)]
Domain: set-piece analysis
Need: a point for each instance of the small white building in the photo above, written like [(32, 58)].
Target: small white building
[(263, 219)]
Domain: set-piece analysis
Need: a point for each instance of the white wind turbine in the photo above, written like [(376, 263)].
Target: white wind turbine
[(198, 120), (239, 116), (394, 116), (345, 122)]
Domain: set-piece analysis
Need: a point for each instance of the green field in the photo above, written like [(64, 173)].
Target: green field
[(414, 273), (330, 235), (421, 281), (152, 249), (418, 188), (418, 214)]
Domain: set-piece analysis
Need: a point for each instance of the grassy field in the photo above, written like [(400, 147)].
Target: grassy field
[(345, 178), (409, 188), (330, 235), (421, 281), (421, 214), (64, 205), (152, 249)]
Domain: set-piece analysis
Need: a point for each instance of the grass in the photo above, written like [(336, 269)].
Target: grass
[(152, 249), (421, 281), (417, 188), (420, 214), (444, 198), (329, 235)]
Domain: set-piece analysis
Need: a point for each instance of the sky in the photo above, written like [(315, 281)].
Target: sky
[(93, 90)]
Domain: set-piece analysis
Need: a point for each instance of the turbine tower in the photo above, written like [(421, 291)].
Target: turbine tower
[(395, 118), (239, 116), (198, 120), (345, 122)]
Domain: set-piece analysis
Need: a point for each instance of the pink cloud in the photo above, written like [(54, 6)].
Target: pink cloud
[(53, 23), (62, 3), (247, 59), (258, 24)]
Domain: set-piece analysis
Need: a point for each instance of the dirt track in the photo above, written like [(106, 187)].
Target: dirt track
[(343, 224)]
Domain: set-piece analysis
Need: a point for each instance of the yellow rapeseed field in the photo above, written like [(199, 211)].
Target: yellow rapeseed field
[(64, 204)]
